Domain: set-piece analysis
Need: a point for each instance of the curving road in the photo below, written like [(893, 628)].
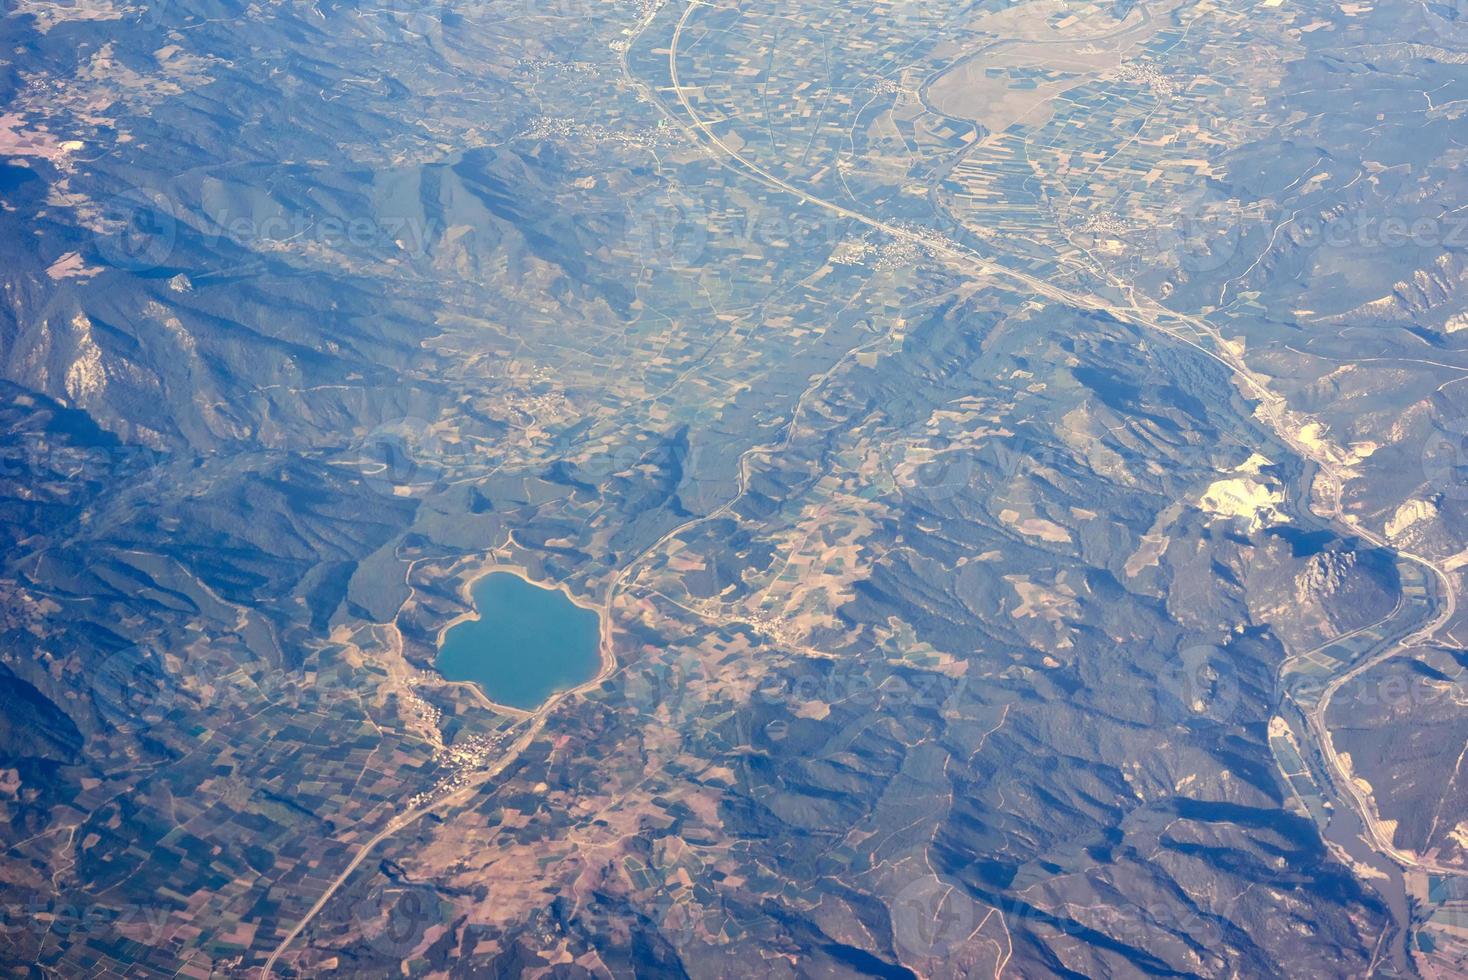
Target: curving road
[(1147, 313)]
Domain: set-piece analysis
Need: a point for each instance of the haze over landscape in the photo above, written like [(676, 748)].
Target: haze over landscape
[(734, 488)]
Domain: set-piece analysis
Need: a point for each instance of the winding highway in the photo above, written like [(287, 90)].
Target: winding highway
[(1196, 333)]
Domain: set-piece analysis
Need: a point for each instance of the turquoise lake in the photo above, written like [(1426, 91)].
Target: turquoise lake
[(527, 643)]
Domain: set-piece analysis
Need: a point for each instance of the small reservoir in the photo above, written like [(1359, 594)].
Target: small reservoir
[(524, 644)]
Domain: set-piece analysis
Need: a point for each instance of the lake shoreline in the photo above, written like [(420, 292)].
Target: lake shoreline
[(474, 613)]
